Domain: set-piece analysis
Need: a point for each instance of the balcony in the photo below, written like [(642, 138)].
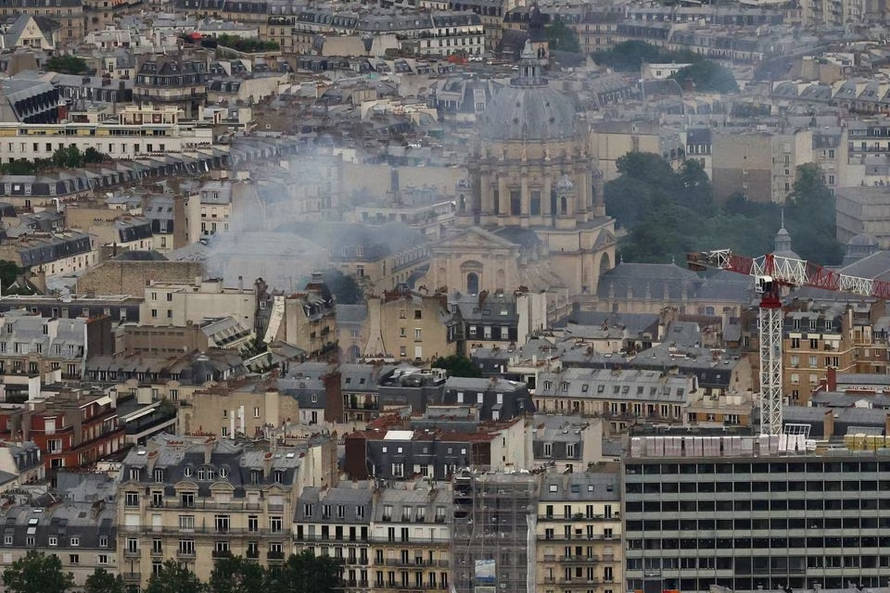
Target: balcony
[(185, 554), (253, 554), (155, 553), (132, 576), (275, 556), (578, 558), (221, 554), (131, 553)]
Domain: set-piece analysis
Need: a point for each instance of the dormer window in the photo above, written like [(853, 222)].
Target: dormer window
[(159, 476)]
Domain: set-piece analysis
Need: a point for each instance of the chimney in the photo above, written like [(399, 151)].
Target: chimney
[(831, 378), (267, 464), (152, 460), (828, 425), (240, 283), (209, 444)]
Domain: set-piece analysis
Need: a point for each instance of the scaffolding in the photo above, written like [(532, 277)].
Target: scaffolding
[(493, 533)]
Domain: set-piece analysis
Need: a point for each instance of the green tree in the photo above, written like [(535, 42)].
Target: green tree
[(668, 213), (810, 217), (628, 56), (37, 572), (102, 581), (91, 155), (562, 38), (9, 272), (458, 366), (234, 574), (67, 156), (707, 76), (304, 573), (174, 578), (66, 65)]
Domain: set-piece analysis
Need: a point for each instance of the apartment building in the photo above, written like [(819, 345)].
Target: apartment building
[(759, 165), (209, 210), (139, 132), (494, 399), (491, 530), (566, 443), (617, 395), (71, 428), (336, 522), (747, 512), (21, 463), (838, 336), (405, 325), (411, 538), (54, 254), (178, 305), (610, 140), (578, 532), (317, 389), (82, 535), (307, 320), (68, 13), (244, 406), (435, 446), (359, 385), (596, 29), (172, 80), (195, 499), (862, 210)]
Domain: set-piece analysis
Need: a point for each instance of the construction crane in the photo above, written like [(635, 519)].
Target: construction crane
[(771, 273)]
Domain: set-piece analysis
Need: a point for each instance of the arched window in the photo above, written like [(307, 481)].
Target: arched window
[(472, 283), (563, 205)]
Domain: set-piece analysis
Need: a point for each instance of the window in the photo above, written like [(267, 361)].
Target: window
[(417, 314), (548, 449), (187, 522), (253, 522), (103, 541), (132, 499), (417, 333), (74, 558), (256, 412), (102, 559), (75, 541), (53, 541), (276, 524), (222, 523)]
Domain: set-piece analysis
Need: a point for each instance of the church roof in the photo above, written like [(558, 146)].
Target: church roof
[(532, 113), (529, 109)]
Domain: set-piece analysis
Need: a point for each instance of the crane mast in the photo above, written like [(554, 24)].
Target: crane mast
[(771, 272)]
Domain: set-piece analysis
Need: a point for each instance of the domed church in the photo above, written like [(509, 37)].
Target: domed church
[(531, 212)]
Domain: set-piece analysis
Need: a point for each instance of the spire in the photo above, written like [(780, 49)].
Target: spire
[(783, 239)]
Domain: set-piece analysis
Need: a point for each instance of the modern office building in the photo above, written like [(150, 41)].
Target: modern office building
[(750, 513)]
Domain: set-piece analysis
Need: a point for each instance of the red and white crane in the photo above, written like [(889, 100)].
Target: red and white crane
[(771, 272)]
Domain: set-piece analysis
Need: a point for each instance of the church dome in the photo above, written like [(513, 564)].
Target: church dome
[(529, 109), (862, 240)]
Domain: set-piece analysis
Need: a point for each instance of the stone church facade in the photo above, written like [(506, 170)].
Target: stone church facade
[(531, 212)]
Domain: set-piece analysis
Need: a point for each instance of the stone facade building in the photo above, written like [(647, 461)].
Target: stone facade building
[(532, 209)]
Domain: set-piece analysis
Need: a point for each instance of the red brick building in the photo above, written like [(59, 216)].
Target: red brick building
[(72, 428)]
